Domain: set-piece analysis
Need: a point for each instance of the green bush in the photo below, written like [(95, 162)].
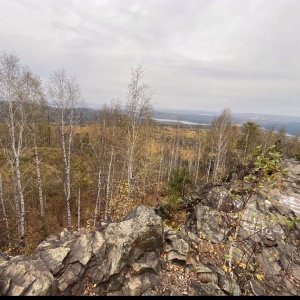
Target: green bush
[(178, 184), (297, 156)]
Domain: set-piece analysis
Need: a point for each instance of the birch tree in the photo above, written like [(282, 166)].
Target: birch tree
[(250, 138), (221, 133), (35, 96), (114, 117), (106, 151), (65, 95), (14, 116), (138, 112), (198, 150)]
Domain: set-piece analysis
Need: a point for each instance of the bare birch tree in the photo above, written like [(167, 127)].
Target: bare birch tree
[(64, 94), (221, 133), (197, 156), (138, 110), (35, 102), (11, 73), (105, 150)]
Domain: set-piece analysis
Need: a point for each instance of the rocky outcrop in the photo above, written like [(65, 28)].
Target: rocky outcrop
[(141, 256), (122, 259), (289, 195), (267, 246)]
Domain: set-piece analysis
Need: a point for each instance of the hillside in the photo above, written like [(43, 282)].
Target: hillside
[(142, 256)]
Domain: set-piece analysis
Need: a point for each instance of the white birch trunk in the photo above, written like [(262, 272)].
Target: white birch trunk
[(16, 152), (39, 180), (197, 163), (16, 196), (108, 184), (208, 170), (98, 201), (4, 212), (130, 170), (172, 160), (66, 158), (159, 172), (246, 147), (78, 209)]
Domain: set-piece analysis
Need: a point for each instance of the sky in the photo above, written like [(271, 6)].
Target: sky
[(198, 54)]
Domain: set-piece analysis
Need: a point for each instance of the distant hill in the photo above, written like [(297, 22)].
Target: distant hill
[(291, 124), (269, 122)]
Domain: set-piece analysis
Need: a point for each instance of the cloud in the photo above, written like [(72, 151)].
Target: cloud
[(217, 53)]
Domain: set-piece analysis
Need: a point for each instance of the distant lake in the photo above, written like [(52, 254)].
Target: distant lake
[(177, 121)]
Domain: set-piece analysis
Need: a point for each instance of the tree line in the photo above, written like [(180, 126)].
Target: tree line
[(58, 171)]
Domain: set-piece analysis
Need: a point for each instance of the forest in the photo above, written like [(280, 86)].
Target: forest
[(61, 171)]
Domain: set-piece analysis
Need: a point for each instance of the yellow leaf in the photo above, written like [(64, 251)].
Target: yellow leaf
[(260, 277), (224, 268)]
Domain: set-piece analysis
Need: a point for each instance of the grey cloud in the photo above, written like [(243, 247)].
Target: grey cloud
[(233, 53)]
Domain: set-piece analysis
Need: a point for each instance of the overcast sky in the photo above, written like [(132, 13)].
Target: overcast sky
[(200, 55)]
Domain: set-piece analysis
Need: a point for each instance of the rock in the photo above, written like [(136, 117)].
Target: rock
[(141, 284), (141, 231), (25, 276), (124, 258), (216, 197), (211, 224), (225, 282), (205, 289), (71, 276), (205, 274), (3, 258), (175, 245), (149, 262), (54, 258), (257, 288)]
